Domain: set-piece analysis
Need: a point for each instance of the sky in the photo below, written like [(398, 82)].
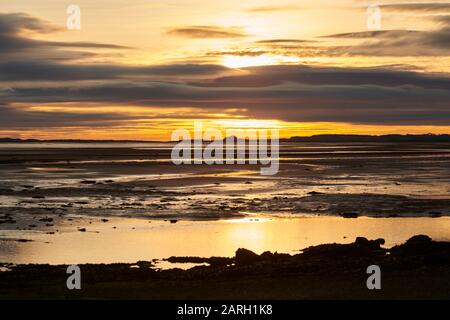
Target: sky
[(139, 69)]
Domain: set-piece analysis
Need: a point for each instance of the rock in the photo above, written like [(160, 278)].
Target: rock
[(424, 249), (88, 182), (144, 264), (370, 244), (314, 193), (46, 219), (435, 214), (105, 220), (173, 221), (38, 197), (269, 256), (82, 229), (8, 220), (421, 238), (244, 257), (349, 215), (361, 241)]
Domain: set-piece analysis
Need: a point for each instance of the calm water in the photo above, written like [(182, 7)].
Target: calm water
[(158, 239)]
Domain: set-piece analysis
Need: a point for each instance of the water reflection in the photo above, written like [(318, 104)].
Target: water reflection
[(158, 239)]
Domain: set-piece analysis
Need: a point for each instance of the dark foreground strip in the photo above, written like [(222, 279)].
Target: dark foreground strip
[(205, 309)]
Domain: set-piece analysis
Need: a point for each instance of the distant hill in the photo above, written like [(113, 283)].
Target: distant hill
[(370, 138), (315, 138), (13, 140)]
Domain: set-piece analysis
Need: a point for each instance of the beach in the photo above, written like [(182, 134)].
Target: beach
[(63, 203)]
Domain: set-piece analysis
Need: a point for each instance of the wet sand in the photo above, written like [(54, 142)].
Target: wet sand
[(314, 179)]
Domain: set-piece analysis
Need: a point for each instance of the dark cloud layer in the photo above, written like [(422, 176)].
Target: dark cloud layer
[(21, 118), (292, 93), (275, 75), (51, 71)]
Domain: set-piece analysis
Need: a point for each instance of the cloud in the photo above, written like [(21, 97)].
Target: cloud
[(10, 43), (396, 43), (17, 117), (383, 43), (442, 19), (15, 41), (418, 7), (383, 76), (283, 41), (38, 71), (237, 52), (201, 32), (373, 34), (291, 93), (51, 71), (15, 23)]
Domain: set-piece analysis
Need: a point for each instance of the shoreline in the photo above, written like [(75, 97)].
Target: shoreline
[(416, 269)]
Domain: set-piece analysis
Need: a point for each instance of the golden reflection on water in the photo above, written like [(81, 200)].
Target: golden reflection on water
[(159, 239)]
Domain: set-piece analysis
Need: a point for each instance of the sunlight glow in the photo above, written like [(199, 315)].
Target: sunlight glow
[(247, 124)]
